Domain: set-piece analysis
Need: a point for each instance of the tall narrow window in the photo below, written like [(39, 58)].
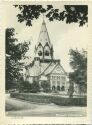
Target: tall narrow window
[(53, 88), (46, 53), (62, 88), (40, 53), (58, 88)]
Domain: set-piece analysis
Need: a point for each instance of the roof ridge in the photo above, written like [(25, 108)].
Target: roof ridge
[(49, 66), (46, 68), (54, 67)]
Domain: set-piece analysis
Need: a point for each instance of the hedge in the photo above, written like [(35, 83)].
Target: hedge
[(59, 100)]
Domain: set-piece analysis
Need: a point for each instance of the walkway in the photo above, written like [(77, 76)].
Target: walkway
[(22, 108)]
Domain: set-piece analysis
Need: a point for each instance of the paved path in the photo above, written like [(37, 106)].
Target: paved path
[(23, 108)]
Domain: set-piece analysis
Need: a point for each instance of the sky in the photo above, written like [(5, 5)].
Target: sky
[(63, 36)]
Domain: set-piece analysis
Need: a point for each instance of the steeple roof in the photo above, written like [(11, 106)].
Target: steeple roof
[(44, 36)]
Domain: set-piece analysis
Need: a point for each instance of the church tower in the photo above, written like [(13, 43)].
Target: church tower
[(44, 66), (44, 48)]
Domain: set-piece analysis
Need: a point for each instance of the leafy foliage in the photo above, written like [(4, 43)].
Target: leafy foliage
[(14, 53), (24, 86), (35, 87), (46, 86), (71, 89), (78, 62), (70, 14), (76, 13)]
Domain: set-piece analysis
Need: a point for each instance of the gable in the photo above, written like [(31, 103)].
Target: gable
[(58, 70), (49, 68)]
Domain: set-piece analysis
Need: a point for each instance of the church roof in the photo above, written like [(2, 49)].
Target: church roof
[(49, 68), (44, 36), (43, 68), (37, 70)]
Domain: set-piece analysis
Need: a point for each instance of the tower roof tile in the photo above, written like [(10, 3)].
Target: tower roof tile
[(44, 36)]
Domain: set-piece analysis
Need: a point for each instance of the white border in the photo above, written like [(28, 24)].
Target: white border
[(44, 120)]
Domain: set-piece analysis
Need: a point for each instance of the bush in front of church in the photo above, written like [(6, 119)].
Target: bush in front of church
[(27, 87), (24, 86), (45, 86), (35, 87)]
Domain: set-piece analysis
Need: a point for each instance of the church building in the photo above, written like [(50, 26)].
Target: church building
[(44, 66)]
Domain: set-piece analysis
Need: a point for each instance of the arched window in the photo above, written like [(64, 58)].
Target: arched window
[(62, 88), (40, 53), (53, 88), (46, 53), (58, 88)]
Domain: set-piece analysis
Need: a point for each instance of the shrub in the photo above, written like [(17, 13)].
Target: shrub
[(45, 86), (35, 87), (71, 89), (24, 86), (81, 101)]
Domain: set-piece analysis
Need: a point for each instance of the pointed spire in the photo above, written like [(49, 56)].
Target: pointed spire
[(43, 20), (44, 36), (43, 23)]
